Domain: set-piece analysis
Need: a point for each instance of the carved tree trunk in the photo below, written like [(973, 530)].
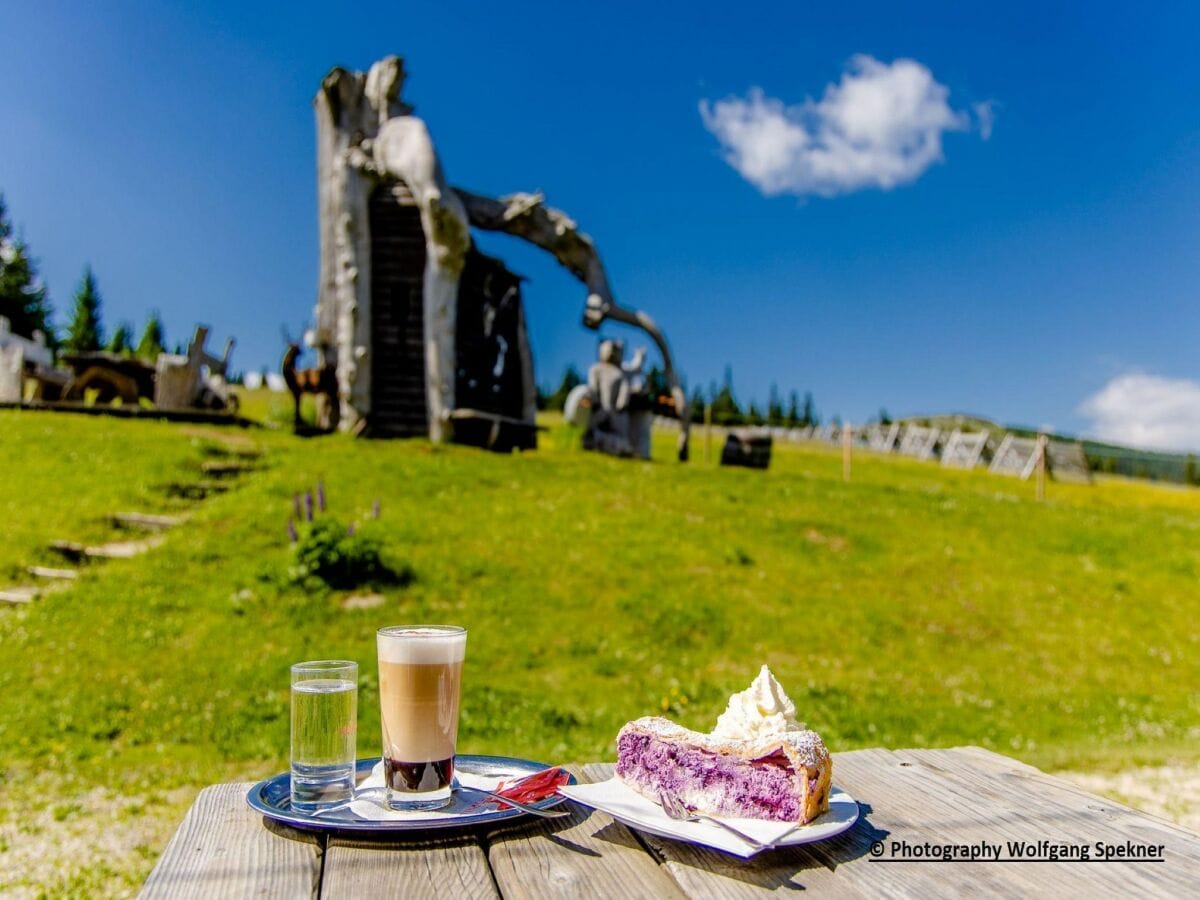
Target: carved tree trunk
[(366, 134)]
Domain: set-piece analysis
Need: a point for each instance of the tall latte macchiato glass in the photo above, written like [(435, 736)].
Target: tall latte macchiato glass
[(420, 680)]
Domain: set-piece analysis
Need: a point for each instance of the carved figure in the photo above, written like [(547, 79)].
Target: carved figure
[(321, 381), (180, 382), (608, 385), (368, 137)]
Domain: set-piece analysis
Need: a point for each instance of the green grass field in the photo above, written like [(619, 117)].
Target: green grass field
[(911, 607)]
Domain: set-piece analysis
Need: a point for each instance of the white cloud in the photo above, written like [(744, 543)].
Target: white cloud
[(1146, 411), (985, 117), (881, 126)]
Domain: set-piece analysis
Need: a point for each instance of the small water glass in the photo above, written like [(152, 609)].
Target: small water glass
[(324, 732)]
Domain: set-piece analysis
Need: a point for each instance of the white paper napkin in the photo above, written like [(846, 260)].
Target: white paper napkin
[(372, 806), (622, 803)]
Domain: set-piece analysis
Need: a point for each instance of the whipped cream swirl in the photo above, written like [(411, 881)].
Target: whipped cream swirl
[(762, 710)]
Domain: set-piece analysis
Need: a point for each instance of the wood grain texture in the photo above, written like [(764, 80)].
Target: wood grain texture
[(938, 797), (222, 849), (586, 855), (968, 795), (454, 867)]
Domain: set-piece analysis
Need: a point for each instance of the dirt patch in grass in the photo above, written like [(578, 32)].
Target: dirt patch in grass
[(98, 843), (1169, 792)]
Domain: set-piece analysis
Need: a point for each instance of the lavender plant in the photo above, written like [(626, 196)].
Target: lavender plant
[(341, 555)]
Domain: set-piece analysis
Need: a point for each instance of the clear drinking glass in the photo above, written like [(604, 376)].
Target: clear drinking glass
[(420, 681), (324, 732)]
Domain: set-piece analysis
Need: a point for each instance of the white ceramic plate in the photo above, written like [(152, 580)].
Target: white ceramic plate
[(623, 804)]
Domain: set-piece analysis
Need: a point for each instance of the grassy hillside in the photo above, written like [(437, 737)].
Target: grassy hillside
[(911, 607)]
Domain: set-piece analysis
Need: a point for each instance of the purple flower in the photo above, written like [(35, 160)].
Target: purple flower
[(292, 531), (350, 530), (296, 505), (321, 496), (308, 506), (375, 509)]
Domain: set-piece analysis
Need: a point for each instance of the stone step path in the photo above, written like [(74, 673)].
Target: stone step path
[(26, 593), (226, 468), (195, 490), (45, 572), (77, 552), (218, 477), (146, 521)]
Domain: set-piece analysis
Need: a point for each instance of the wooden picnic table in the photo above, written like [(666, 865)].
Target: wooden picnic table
[(920, 798)]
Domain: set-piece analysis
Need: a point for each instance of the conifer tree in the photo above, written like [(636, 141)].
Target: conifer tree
[(85, 333), (121, 341), (809, 416), (725, 409), (23, 298), (775, 415), (570, 380), (153, 341), (793, 413)]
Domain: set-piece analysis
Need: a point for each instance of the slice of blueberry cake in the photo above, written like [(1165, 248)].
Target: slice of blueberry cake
[(758, 764)]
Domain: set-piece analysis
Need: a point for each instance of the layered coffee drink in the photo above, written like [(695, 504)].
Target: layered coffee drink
[(420, 679)]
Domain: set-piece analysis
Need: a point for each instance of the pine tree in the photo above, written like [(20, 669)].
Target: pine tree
[(153, 341), (22, 295), (85, 334), (809, 416), (570, 380), (793, 413), (121, 341), (753, 416), (775, 415), (657, 384), (725, 409)]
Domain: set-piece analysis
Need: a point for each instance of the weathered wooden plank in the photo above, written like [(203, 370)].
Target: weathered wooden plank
[(965, 796), (454, 867), (586, 855), (223, 849)]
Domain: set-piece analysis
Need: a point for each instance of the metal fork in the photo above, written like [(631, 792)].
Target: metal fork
[(678, 810), (380, 794), (524, 807)]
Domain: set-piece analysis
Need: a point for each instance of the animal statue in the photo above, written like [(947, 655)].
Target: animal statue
[(321, 381)]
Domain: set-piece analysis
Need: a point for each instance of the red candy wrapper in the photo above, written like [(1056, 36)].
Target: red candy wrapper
[(535, 787)]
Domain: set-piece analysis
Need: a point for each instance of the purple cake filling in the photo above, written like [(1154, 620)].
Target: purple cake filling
[(716, 783)]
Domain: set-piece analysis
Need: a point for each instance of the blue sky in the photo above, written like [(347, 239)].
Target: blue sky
[(1046, 275)]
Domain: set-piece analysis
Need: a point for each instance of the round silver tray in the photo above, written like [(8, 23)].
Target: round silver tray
[(272, 798)]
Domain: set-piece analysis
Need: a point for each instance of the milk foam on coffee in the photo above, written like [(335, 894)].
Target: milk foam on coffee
[(420, 674), (432, 646)]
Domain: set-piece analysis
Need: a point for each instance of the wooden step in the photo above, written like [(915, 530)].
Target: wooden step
[(54, 574), (18, 595), (145, 521), (195, 490), (116, 550), (224, 468)]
